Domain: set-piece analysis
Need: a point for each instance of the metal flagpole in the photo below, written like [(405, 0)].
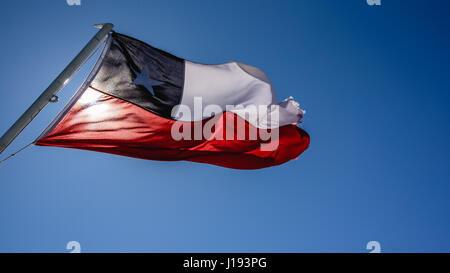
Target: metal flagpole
[(49, 94)]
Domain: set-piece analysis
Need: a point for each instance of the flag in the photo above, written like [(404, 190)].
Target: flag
[(143, 102)]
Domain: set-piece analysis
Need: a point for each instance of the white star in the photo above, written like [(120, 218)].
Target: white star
[(144, 79)]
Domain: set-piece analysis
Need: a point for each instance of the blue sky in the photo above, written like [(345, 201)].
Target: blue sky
[(373, 79)]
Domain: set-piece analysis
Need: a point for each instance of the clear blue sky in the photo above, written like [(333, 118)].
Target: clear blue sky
[(374, 81)]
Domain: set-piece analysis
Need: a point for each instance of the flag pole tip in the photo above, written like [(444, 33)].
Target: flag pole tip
[(102, 25)]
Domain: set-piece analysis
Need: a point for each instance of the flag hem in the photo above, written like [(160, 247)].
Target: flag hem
[(84, 86)]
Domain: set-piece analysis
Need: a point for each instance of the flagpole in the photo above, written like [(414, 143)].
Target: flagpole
[(49, 94)]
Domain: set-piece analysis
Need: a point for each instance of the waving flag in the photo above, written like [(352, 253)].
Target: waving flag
[(142, 102)]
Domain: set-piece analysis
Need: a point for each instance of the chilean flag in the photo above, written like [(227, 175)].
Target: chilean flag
[(142, 102)]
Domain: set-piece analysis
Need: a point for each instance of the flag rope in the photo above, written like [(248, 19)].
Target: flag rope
[(33, 142), (20, 150)]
